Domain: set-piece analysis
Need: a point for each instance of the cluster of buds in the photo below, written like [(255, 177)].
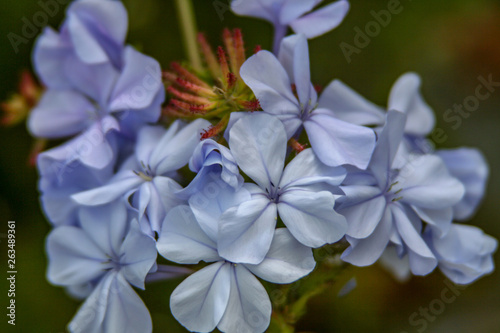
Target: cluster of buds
[(214, 92)]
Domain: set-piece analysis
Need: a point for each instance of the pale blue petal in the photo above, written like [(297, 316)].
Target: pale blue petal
[(440, 219), (138, 84), (364, 252), (121, 184), (387, 147), (291, 10), (349, 106), (464, 254), (175, 153), (138, 255), (208, 206), (261, 9), (60, 114), (113, 306), (422, 261), (183, 241), (258, 143), (246, 231), (97, 29), (294, 56), (287, 260), (310, 217), (306, 169), (322, 20), (200, 301), (427, 183), (336, 142), (147, 139), (363, 217), (51, 51), (269, 81), (405, 97), (249, 308), (74, 258), (470, 167), (106, 226)]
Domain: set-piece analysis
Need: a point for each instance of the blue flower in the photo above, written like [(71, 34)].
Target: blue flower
[(108, 252), (214, 164), (464, 253), (302, 193), (147, 176), (405, 97), (470, 167), (60, 178), (334, 141), (95, 83), (387, 203), (226, 294), (296, 14)]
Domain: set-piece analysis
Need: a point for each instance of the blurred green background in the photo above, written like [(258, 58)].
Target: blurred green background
[(448, 42)]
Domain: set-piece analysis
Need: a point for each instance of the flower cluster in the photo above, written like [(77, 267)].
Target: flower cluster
[(133, 182)]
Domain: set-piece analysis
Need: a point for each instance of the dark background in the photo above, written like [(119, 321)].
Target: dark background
[(448, 42)]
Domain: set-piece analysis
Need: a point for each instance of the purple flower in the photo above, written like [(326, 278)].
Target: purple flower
[(294, 13), (226, 294), (387, 203), (301, 194), (147, 175), (109, 252), (334, 141), (95, 83)]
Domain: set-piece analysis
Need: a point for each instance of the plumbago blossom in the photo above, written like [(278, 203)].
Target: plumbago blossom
[(226, 293), (302, 194), (221, 182), (148, 175), (108, 251), (333, 140), (466, 164), (96, 84), (296, 14)]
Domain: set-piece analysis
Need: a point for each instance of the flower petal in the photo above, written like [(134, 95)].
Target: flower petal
[(121, 184), (200, 301), (287, 260), (470, 167), (306, 169), (364, 252), (336, 142), (322, 20), (405, 97), (249, 307), (113, 306), (426, 183), (74, 258), (294, 56), (138, 84), (246, 231), (258, 143), (310, 217), (60, 114), (183, 241), (349, 106)]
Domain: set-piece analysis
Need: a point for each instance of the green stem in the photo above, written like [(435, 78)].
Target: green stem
[(187, 22)]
